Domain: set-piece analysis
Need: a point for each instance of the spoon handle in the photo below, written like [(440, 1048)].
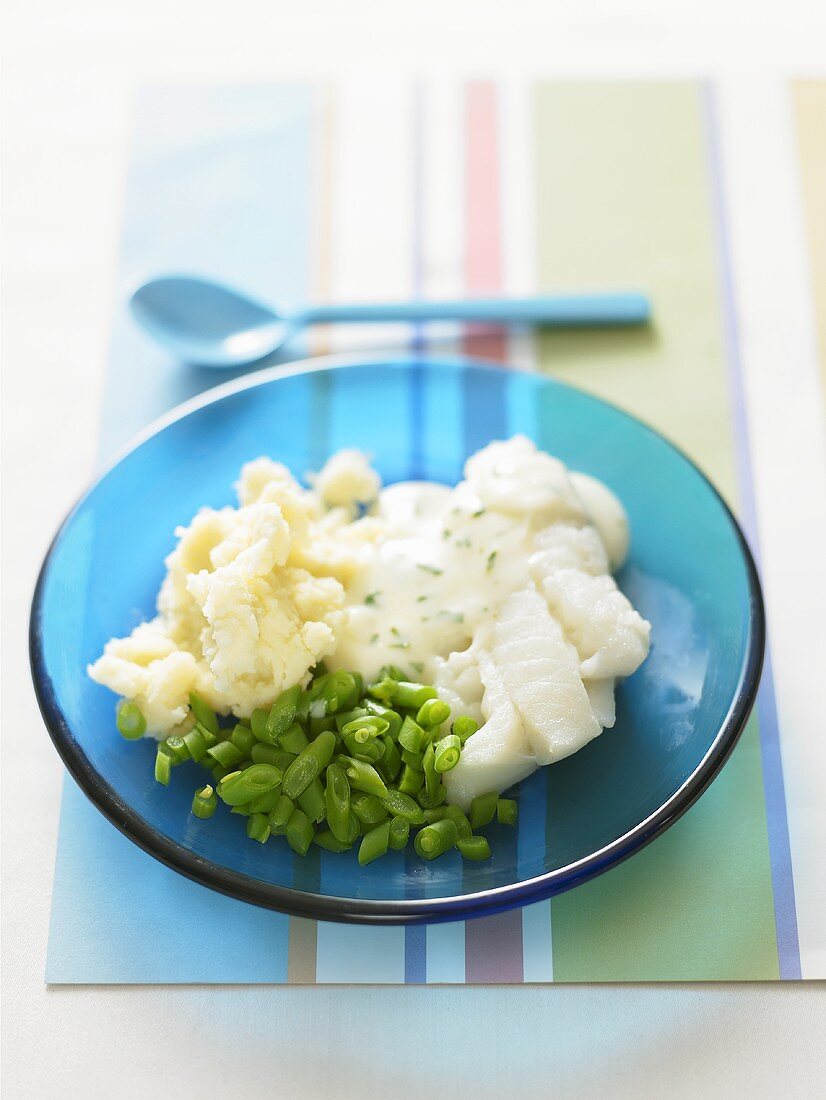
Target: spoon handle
[(554, 310)]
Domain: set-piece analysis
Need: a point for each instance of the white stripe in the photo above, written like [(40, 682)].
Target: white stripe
[(519, 261), (785, 414), (372, 247), (442, 191), (518, 174)]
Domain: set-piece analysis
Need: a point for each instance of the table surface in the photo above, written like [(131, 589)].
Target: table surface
[(70, 75)]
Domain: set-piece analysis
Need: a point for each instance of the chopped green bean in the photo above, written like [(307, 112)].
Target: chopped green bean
[(283, 760), (196, 744), (482, 809), (432, 713), (130, 720), (266, 754), (244, 811), (435, 814), (258, 828), (447, 753), (203, 713), (258, 724), (433, 840), (431, 801), (411, 695), (474, 848), (374, 844), (392, 672), (241, 787), (337, 801), (163, 767), (369, 809), (364, 777), (400, 804), (370, 750), (300, 832), (312, 802), (218, 772), (432, 779), (464, 727), (507, 811), (354, 828), (412, 759), (302, 707), (294, 740), (244, 739), (365, 728), (321, 725), (392, 717), (340, 692), (281, 813), (282, 714), (459, 819), (209, 737), (204, 802), (399, 833), (226, 754), (412, 737), (391, 762), (327, 840), (265, 802), (346, 716), (309, 763), (175, 748), (318, 684), (411, 780), (383, 689)]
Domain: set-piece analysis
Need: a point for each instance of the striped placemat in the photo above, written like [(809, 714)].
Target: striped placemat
[(361, 191)]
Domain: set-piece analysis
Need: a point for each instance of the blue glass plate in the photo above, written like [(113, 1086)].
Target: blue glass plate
[(690, 573)]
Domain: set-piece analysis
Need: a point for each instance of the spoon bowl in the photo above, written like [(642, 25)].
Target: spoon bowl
[(208, 323)]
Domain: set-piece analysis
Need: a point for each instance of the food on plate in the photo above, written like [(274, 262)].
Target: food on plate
[(498, 592)]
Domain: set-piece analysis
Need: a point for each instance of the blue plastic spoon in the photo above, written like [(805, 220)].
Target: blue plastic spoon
[(204, 322)]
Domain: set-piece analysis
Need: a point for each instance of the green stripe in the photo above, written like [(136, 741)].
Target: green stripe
[(630, 159)]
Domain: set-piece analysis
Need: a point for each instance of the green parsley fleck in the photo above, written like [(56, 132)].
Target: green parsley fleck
[(491, 559), (454, 616), (477, 513), (431, 569), (372, 599), (421, 599)]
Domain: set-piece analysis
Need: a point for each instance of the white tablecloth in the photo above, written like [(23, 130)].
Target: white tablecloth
[(70, 72)]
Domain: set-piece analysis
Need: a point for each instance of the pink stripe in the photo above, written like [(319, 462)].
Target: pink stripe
[(493, 945), (483, 222)]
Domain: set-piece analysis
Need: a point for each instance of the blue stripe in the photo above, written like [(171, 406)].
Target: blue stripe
[(484, 408), (785, 914), (107, 892), (537, 959), (415, 954)]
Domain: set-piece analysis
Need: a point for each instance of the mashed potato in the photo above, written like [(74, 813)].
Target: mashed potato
[(252, 598)]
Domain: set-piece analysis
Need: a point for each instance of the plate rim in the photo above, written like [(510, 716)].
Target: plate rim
[(331, 907)]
